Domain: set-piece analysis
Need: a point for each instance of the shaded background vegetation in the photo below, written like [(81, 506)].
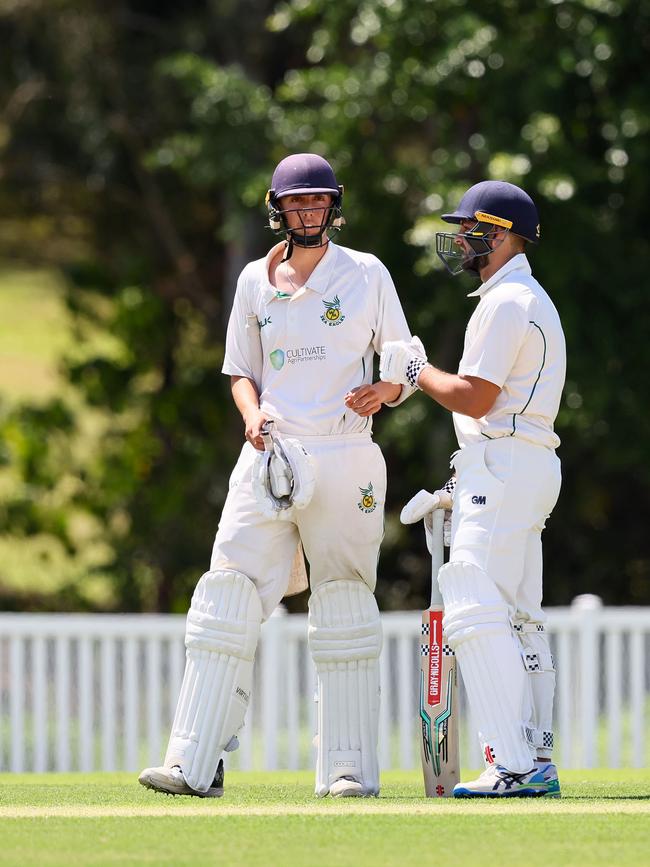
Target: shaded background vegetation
[(137, 141)]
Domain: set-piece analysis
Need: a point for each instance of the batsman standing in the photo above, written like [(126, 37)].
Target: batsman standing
[(504, 401), (305, 325)]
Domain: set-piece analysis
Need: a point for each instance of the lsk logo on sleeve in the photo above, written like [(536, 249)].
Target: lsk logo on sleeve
[(367, 503), (332, 315)]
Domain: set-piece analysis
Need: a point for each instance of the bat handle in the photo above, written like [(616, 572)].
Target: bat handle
[(437, 553)]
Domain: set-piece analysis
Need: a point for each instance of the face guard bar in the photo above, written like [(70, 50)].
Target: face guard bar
[(479, 239), (331, 221)]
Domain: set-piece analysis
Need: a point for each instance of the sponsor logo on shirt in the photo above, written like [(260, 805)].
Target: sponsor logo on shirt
[(297, 355), (277, 359), (332, 315), (368, 503), (306, 353), (479, 500), (265, 321)]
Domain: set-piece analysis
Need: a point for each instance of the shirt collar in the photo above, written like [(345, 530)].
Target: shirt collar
[(517, 263), (319, 278)]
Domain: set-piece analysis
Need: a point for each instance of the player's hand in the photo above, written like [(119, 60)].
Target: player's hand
[(402, 361), (366, 400), (253, 421)]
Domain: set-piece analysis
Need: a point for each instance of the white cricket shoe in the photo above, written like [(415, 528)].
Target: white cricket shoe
[(171, 781), (347, 787), (498, 782)]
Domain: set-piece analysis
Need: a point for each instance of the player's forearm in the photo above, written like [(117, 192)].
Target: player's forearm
[(456, 393), (244, 394)]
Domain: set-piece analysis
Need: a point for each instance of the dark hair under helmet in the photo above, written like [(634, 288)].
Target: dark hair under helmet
[(493, 205), (304, 174)]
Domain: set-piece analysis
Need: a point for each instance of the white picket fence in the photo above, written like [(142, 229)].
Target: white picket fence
[(97, 692)]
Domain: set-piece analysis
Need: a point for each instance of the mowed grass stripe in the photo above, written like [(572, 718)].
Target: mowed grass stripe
[(529, 806), (446, 808)]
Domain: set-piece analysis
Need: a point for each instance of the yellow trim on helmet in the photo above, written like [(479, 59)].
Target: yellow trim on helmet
[(482, 217)]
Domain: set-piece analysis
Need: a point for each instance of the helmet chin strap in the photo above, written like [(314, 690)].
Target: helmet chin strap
[(288, 250), (304, 241)]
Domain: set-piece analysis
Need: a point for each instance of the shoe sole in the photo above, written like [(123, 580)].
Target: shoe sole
[(466, 793), (352, 792), (148, 783), (348, 792)]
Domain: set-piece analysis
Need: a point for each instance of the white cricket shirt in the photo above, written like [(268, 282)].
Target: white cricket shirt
[(514, 339), (317, 343)]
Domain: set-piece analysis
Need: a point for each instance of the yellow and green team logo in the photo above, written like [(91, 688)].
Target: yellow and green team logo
[(367, 503), (332, 315)]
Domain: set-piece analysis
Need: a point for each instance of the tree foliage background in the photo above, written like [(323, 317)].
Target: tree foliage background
[(137, 141)]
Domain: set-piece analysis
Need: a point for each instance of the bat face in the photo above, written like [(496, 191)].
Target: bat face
[(438, 708)]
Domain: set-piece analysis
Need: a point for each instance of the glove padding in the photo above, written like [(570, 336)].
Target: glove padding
[(283, 476), (422, 506), (402, 361)]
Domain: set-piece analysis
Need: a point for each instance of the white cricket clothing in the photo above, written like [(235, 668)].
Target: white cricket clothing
[(515, 340), (341, 528), (345, 639), (223, 627), (319, 342), (505, 490), (478, 629)]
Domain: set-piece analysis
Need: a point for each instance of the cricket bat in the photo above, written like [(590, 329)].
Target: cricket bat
[(439, 744)]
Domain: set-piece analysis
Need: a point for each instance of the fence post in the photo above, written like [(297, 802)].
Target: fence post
[(271, 673), (586, 608), (637, 696)]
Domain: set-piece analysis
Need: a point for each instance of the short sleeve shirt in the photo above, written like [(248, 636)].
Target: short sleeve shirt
[(317, 343), (515, 340)]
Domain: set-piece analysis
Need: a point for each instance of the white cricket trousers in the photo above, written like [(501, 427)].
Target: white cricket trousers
[(506, 488), (341, 529)]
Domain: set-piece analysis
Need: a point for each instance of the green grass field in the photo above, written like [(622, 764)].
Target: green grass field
[(274, 819)]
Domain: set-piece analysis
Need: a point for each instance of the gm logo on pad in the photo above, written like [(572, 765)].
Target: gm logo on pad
[(478, 500)]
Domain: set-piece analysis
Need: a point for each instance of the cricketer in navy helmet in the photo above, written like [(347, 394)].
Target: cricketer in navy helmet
[(504, 401), (305, 325)]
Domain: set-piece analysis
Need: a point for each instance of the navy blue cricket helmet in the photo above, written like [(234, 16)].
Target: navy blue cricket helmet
[(304, 174), (494, 206)]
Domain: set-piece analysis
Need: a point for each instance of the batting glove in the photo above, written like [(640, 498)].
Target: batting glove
[(423, 504), (402, 361)]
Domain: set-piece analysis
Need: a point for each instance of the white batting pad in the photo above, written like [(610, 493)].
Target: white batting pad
[(538, 662), (478, 629), (345, 643), (223, 626)]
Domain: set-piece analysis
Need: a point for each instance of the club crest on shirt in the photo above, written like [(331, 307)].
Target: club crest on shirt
[(367, 503), (332, 315)]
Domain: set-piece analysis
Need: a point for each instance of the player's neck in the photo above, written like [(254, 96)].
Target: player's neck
[(495, 263), (304, 259)]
